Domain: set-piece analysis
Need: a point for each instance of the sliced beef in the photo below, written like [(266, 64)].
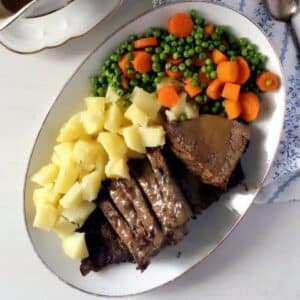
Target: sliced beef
[(127, 210), (178, 212), (140, 254), (104, 246), (144, 212), (209, 146), (164, 195)]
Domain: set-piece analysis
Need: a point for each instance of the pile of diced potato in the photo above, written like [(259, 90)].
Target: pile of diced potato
[(93, 145)]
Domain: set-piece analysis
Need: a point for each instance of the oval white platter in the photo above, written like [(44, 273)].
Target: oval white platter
[(217, 222), (33, 34)]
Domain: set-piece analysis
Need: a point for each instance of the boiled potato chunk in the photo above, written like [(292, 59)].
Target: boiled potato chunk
[(136, 115), (114, 118), (170, 116), (67, 176), (133, 139), (146, 102), (45, 217), (63, 152), (191, 111), (73, 196), (95, 104), (75, 247), (92, 121), (72, 130), (90, 185), (152, 136), (86, 153), (180, 106), (79, 213), (45, 195), (63, 227), (117, 169), (113, 144), (46, 174), (111, 94), (55, 159)]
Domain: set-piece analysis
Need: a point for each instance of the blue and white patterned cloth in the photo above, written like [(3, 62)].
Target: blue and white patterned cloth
[(283, 182)]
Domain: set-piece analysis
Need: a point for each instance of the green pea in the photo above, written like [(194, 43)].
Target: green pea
[(181, 67), (189, 39), (149, 49), (167, 48), (215, 36), (188, 62), (199, 99), (213, 75), (130, 56), (195, 82), (187, 73), (208, 61), (156, 67), (222, 48), (180, 42), (133, 82), (163, 56), (145, 77), (199, 21), (157, 80), (197, 49), (205, 98), (198, 35), (193, 13), (180, 49), (130, 47), (173, 43), (174, 69), (244, 52), (186, 54), (168, 66), (198, 42), (176, 55), (202, 85), (191, 52), (155, 58), (126, 103), (211, 47), (215, 110), (158, 50), (233, 57), (219, 30), (161, 74), (204, 44), (243, 42), (101, 91), (202, 55), (203, 69)]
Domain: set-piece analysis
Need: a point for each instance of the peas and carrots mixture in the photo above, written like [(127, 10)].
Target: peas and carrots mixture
[(220, 73)]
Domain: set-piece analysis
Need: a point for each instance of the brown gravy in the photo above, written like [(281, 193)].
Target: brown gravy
[(14, 5)]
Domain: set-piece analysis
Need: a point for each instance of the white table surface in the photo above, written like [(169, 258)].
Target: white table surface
[(260, 260)]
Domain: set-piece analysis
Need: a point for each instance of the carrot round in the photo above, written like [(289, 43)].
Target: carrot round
[(218, 56), (145, 42), (168, 96), (231, 91), (174, 75), (244, 70), (181, 25), (268, 82), (142, 62), (250, 106), (228, 71), (123, 62), (209, 29), (214, 90), (232, 108), (124, 82), (174, 61), (191, 90)]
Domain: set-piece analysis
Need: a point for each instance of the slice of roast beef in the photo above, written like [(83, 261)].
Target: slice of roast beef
[(143, 210), (210, 146), (104, 246), (127, 210), (141, 254)]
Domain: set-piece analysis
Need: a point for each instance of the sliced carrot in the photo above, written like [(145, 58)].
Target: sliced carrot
[(174, 61), (204, 79), (218, 56), (142, 62), (214, 90), (181, 25), (145, 42), (191, 90), (123, 62), (209, 29), (124, 82), (174, 75), (228, 71), (244, 70), (168, 96), (268, 82), (250, 106), (231, 91), (232, 108)]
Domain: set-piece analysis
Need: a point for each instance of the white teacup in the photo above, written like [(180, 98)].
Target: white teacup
[(34, 8)]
